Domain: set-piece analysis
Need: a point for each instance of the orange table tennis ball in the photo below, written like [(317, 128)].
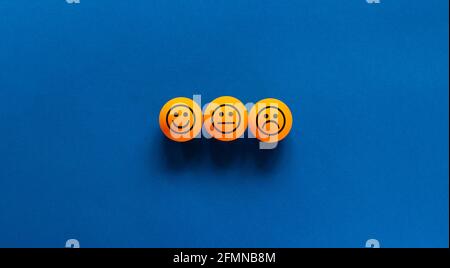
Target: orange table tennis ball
[(225, 118), (180, 119), (270, 120)]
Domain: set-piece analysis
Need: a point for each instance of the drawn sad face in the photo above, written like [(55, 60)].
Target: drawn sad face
[(225, 118), (270, 120), (180, 119)]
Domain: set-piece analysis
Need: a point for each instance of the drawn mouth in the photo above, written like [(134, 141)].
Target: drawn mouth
[(181, 126), (221, 126), (270, 121)]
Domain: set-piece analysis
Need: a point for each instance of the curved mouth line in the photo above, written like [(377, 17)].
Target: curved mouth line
[(181, 127), (271, 121)]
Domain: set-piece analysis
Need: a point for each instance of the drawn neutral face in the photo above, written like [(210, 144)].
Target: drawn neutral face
[(225, 118), (270, 120), (180, 119)]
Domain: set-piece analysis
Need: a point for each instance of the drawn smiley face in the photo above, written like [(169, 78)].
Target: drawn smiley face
[(225, 118), (270, 120), (180, 119)]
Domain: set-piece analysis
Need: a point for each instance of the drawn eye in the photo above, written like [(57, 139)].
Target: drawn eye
[(175, 114), (185, 114), (221, 114), (266, 116), (230, 113), (275, 116)]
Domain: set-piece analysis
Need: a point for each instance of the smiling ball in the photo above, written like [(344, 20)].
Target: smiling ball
[(180, 119)]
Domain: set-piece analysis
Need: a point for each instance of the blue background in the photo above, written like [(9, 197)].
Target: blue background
[(82, 156)]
